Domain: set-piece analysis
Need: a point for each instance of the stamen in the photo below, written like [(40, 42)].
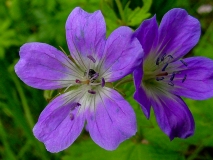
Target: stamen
[(157, 61), (77, 81), (185, 64), (164, 68), (184, 78), (162, 58), (162, 74), (78, 104), (91, 92), (94, 76), (171, 57), (91, 58), (102, 82), (68, 87), (171, 84), (94, 84), (172, 77), (159, 78)]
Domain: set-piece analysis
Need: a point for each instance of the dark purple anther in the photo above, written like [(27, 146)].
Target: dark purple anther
[(91, 58), (162, 58), (172, 77), (77, 81), (159, 78), (170, 56), (164, 68), (102, 82), (184, 63), (78, 104), (184, 78), (171, 84), (91, 92), (157, 61)]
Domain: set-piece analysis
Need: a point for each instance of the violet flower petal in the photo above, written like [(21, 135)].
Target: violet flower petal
[(141, 97), (198, 83), (59, 125), (113, 120), (140, 94), (85, 34), (178, 33), (122, 54), (38, 66), (173, 115), (147, 34)]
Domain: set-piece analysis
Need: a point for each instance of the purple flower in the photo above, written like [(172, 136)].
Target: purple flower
[(163, 76), (86, 98)]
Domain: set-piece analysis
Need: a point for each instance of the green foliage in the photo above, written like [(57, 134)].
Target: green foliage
[(87, 149), (25, 21), (125, 16)]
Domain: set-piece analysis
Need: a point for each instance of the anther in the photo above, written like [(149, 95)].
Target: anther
[(185, 64), (78, 104), (164, 68), (170, 56), (91, 92), (159, 78), (172, 77), (162, 58), (184, 78), (91, 58), (77, 81), (171, 84), (157, 61), (102, 82)]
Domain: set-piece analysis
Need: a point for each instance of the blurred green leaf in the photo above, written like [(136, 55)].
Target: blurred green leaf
[(205, 45), (110, 16), (136, 16), (87, 149)]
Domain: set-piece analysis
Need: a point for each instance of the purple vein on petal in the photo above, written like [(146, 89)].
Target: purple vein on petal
[(104, 92), (115, 61), (79, 55), (62, 62), (104, 58)]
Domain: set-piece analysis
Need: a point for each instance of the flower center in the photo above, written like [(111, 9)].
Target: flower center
[(163, 71), (91, 77)]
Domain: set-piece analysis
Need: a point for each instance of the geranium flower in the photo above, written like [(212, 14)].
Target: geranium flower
[(97, 61), (163, 76)]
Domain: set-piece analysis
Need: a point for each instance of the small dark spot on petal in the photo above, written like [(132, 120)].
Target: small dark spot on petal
[(71, 116)]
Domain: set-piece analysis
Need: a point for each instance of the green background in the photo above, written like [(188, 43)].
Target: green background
[(24, 21)]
